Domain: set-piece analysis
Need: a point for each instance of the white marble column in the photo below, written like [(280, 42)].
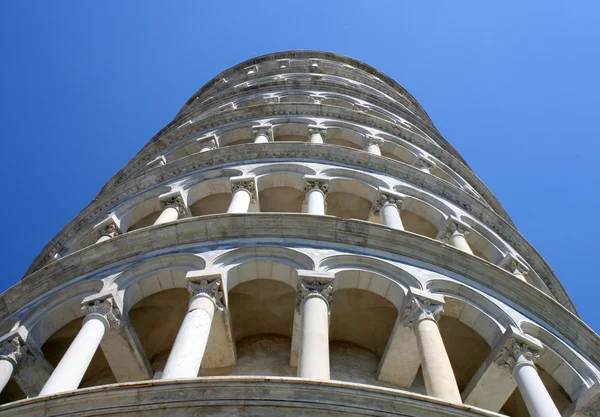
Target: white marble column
[(316, 134), (373, 144), (421, 316), (519, 357), (172, 209), (454, 233), (72, 367), (517, 269), (388, 207), (314, 297), (108, 232), (263, 134), (424, 165), (316, 191), (12, 352), (244, 192), (188, 350)]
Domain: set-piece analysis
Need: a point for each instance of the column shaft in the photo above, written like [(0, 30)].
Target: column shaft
[(437, 371), (536, 397), (390, 216), (314, 345), (240, 201), (103, 238), (70, 370), (185, 358), (316, 137), (261, 137), (169, 214), (7, 368), (460, 242), (374, 149), (315, 201)]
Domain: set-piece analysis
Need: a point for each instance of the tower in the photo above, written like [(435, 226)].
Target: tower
[(299, 240)]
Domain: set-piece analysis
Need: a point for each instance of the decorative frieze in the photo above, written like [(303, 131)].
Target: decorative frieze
[(206, 288)]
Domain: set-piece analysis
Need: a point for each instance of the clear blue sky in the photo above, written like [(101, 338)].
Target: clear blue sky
[(514, 86)]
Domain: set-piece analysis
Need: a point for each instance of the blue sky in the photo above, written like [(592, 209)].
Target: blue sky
[(513, 85)]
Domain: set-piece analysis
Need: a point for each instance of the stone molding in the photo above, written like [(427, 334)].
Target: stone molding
[(207, 229), (302, 151), (235, 394), (422, 306)]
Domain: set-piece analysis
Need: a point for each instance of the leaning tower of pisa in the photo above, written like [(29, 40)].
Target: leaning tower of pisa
[(299, 241)]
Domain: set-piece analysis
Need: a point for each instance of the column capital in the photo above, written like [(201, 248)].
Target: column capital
[(159, 161), (108, 227), (14, 349), (174, 200), (322, 184), (209, 140), (105, 307), (314, 129), (422, 306), (266, 130), (518, 349), (206, 283), (387, 197), (314, 284), (247, 184), (453, 226), (514, 266), (372, 140), (423, 164)]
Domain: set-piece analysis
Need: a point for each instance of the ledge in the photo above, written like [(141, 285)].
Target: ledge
[(240, 396), (312, 230), (334, 155)]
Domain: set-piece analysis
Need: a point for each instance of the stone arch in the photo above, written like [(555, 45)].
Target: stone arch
[(281, 191), (295, 131), (398, 152), (276, 255), (237, 136), (141, 211), (351, 174), (483, 243), (273, 168), (57, 310), (439, 206), (210, 197), (155, 275), (342, 136), (421, 217), (560, 362), (349, 198), (390, 281)]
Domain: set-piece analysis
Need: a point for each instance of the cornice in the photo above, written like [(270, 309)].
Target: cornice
[(232, 394), (162, 141), (227, 156), (315, 230)]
